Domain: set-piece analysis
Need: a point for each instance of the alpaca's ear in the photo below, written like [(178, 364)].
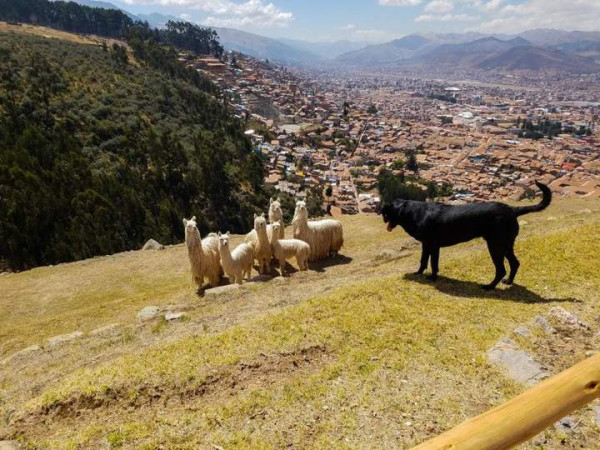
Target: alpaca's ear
[(218, 234), (262, 215), (193, 218), (270, 201), (228, 234), (255, 216), (185, 221), (277, 199)]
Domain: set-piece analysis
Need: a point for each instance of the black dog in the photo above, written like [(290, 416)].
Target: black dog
[(437, 225)]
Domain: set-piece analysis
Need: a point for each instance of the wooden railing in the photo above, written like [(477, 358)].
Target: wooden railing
[(524, 416)]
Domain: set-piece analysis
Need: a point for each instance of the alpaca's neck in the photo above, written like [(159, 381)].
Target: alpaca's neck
[(300, 223), (262, 235), (225, 253)]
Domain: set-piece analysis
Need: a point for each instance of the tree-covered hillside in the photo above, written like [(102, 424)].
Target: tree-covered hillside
[(100, 151)]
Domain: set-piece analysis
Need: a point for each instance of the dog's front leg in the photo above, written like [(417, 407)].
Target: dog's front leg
[(424, 259), (435, 262)]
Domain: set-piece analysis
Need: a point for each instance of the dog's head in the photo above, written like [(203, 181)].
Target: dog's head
[(391, 213)]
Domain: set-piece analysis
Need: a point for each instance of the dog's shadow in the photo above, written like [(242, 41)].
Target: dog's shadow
[(338, 260), (470, 289)]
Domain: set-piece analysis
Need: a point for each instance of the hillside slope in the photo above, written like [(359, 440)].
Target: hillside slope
[(351, 353), (105, 145)]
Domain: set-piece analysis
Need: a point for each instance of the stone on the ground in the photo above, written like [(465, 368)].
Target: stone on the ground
[(520, 365), (544, 324), (522, 331), (523, 222), (57, 341), (261, 278), (148, 313), (215, 292), (387, 255), (22, 353), (171, 316), (111, 329), (585, 211), (567, 318), (9, 445), (151, 244), (280, 279), (565, 424), (551, 218)]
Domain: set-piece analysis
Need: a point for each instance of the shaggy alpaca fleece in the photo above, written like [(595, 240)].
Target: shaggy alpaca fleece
[(237, 264), (285, 249), (325, 237), (203, 254), (260, 241), (276, 215)]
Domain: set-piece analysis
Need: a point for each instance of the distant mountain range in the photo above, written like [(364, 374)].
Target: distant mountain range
[(536, 50), (539, 49)]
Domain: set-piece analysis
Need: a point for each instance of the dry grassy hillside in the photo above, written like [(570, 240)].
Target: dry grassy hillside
[(354, 353)]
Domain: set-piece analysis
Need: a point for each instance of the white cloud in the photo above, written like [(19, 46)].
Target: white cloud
[(248, 13), (348, 27), (572, 15), (492, 5), (185, 17), (399, 2), (439, 6), (446, 18)]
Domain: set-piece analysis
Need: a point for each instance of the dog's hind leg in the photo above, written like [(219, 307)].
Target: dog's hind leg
[(497, 251), (424, 259), (514, 265), (435, 262)]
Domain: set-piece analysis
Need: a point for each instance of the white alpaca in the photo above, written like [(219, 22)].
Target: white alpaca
[(203, 254), (285, 249), (325, 237), (237, 264), (260, 241), (276, 215)]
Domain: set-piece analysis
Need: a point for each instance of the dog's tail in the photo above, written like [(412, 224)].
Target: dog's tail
[(546, 199)]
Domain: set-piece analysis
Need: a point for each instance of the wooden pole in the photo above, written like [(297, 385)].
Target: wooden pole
[(524, 416)]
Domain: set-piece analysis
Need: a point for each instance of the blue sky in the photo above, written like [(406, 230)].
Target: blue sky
[(377, 20)]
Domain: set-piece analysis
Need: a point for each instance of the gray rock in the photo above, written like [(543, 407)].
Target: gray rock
[(566, 318), (151, 244), (22, 354), (523, 222), (387, 255), (522, 331), (543, 323), (171, 316), (9, 445), (57, 341), (261, 278), (108, 330), (215, 292), (148, 313), (565, 424), (520, 365)]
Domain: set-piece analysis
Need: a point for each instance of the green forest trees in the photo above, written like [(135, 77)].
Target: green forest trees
[(97, 154)]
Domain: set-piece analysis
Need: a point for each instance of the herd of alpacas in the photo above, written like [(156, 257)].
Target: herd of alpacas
[(212, 256)]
